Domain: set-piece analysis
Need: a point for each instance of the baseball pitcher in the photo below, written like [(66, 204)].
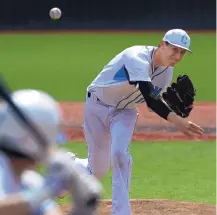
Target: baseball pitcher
[(138, 74)]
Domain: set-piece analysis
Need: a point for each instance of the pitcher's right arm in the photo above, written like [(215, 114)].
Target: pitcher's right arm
[(163, 110), (137, 70)]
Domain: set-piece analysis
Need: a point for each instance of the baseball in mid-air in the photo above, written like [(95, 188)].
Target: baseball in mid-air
[(55, 13)]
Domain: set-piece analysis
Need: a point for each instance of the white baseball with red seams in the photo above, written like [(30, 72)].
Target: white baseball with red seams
[(55, 13)]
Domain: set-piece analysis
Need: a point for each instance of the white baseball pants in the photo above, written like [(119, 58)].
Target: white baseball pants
[(108, 133)]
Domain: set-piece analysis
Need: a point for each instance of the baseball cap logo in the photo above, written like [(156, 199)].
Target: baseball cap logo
[(184, 40)]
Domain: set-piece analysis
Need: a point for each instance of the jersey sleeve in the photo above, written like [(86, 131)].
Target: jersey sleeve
[(137, 69)]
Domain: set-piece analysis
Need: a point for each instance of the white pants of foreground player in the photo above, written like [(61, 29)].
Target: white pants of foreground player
[(108, 133)]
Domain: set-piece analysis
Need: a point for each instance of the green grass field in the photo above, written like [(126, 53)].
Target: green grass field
[(64, 65), (178, 171)]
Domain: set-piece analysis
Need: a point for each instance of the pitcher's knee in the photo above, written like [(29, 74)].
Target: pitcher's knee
[(99, 173), (118, 157)]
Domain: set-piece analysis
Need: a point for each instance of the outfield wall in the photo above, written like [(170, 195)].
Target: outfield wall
[(97, 14)]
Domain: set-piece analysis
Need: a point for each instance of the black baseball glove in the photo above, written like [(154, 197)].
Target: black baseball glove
[(180, 96)]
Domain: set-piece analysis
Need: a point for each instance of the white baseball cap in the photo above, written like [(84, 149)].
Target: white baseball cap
[(179, 38)]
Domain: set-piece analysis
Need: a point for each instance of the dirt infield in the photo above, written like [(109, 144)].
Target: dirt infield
[(151, 128), (156, 207)]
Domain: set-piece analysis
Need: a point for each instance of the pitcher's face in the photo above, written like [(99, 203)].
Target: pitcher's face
[(170, 54)]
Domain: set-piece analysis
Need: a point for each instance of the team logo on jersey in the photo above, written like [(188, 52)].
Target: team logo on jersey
[(156, 92)]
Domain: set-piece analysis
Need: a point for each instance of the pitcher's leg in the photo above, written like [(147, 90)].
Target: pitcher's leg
[(122, 128), (98, 140)]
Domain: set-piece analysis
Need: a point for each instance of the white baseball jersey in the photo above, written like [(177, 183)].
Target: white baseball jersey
[(29, 179), (133, 64)]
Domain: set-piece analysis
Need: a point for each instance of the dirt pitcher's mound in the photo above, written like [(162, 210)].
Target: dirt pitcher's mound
[(157, 207)]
